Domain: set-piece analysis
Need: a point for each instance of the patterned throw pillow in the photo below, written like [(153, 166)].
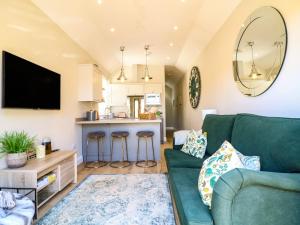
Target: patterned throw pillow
[(195, 144), (250, 162), (222, 161)]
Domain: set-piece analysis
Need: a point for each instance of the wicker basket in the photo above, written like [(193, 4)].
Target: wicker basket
[(147, 116)]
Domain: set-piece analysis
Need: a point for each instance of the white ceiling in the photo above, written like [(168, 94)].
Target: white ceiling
[(140, 22)]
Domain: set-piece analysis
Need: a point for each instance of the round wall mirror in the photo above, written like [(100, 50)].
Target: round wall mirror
[(259, 51)]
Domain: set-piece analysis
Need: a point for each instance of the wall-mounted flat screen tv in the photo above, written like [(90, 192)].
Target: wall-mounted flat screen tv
[(27, 85)]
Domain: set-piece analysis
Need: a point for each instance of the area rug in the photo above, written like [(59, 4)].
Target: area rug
[(131, 199)]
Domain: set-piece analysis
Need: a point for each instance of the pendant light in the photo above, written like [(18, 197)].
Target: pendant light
[(254, 73), (122, 76), (147, 76)]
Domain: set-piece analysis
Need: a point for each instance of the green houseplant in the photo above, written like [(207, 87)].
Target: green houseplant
[(16, 144)]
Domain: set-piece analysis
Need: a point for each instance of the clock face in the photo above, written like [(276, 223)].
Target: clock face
[(195, 87)]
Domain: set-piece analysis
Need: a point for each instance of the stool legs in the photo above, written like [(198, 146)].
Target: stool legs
[(98, 163), (122, 163), (101, 163), (153, 148), (145, 163)]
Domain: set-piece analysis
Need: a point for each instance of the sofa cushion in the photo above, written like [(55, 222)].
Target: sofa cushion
[(275, 140), (190, 208), (175, 158), (219, 129), (250, 162), (195, 144), (221, 162)]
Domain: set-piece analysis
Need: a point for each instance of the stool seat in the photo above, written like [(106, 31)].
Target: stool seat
[(145, 134), (96, 134), (120, 134)]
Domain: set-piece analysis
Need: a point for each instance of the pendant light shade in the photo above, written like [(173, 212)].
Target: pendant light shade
[(122, 76), (147, 76), (254, 73)]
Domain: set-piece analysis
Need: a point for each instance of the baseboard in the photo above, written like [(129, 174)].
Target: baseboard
[(170, 128)]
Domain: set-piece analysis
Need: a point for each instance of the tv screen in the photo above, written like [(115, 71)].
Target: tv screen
[(27, 85)]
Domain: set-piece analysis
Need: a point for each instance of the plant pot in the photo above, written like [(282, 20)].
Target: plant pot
[(16, 160), (3, 161)]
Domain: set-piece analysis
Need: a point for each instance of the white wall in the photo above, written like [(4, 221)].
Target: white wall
[(28, 33), (219, 90)]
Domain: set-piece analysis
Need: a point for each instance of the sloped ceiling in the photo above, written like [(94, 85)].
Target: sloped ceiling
[(140, 22)]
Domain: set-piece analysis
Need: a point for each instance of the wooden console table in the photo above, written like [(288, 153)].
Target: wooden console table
[(63, 164)]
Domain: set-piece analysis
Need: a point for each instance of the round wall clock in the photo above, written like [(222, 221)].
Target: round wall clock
[(195, 87)]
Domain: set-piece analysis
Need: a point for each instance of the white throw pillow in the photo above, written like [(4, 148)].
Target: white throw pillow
[(222, 161), (180, 136), (250, 162), (195, 144)]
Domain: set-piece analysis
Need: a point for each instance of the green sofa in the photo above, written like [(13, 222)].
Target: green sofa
[(242, 197)]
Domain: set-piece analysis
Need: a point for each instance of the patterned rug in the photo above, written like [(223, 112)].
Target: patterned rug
[(131, 199)]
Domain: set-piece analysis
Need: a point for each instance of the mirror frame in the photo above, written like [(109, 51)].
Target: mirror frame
[(237, 44)]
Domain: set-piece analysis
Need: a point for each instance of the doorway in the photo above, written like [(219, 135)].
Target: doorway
[(137, 106)]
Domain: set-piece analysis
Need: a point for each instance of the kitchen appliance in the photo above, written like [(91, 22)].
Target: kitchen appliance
[(152, 99), (91, 115), (121, 115)]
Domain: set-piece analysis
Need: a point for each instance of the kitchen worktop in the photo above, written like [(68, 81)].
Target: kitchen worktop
[(132, 126), (117, 121)]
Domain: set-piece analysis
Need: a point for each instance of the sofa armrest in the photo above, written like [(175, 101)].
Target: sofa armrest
[(245, 197)]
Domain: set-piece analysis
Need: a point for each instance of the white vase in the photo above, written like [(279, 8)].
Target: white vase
[(3, 162)]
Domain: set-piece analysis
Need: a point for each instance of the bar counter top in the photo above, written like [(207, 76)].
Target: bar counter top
[(117, 121)]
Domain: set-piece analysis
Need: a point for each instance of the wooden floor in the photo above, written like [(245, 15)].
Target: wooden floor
[(84, 172)]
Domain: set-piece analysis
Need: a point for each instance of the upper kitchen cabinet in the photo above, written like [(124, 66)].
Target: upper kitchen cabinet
[(153, 88), (89, 83), (135, 89), (118, 94)]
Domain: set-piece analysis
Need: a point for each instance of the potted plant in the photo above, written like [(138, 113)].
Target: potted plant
[(16, 144)]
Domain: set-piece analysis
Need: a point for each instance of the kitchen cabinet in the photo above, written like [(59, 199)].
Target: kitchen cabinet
[(135, 89), (118, 93), (153, 88), (89, 83)]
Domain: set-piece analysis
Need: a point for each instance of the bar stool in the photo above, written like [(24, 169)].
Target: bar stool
[(98, 136), (123, 136), (145, 163)]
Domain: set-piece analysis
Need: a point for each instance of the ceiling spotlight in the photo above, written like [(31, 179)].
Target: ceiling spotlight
[(182, 0), (112, 29), (171, 44), (175, 27), (99, 2), (168, 58)]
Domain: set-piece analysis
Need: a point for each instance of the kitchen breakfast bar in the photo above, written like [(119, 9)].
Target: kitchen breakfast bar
[(132, 126)]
